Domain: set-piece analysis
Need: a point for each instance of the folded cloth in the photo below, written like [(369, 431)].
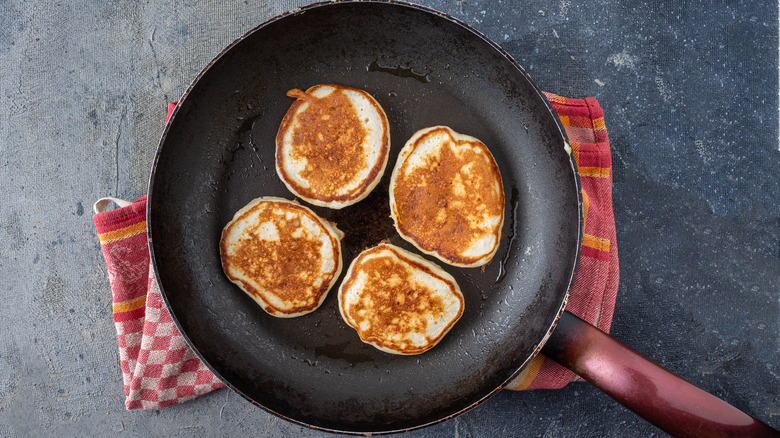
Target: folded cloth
[(159, 369), (593, 295)]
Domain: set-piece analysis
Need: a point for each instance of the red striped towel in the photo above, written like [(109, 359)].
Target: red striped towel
[(595, 288), (159, 369)]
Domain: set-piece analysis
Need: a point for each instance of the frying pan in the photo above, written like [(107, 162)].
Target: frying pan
[(425, 69)]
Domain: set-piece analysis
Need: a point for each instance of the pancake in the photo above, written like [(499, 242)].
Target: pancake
[(397, 301), (282, 255), (447, 198), (332, 145)]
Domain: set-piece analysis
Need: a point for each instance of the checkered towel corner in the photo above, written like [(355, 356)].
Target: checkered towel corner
[(158, 367)]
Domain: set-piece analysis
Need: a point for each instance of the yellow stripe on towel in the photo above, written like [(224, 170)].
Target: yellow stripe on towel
[(597, 172), (122, 233), (595, 242), (129, 305), (527, 376)]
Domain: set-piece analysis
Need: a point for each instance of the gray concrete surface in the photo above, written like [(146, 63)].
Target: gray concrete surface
[(690, 93)]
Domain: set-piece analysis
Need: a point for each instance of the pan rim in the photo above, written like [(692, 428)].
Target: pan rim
[(504, 54)]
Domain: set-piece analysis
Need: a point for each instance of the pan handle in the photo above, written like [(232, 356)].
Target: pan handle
[(663, 398)]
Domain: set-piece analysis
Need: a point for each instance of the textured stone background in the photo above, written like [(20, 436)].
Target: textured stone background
[(690, 93)]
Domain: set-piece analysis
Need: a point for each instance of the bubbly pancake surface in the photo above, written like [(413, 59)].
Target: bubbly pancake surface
[(282, 255), (399, 302), (447, 198), (332, 145)]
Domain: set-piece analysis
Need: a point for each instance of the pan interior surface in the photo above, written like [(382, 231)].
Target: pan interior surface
[(218, 154)]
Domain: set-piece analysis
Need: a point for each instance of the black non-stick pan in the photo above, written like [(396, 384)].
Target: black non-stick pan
[(217, 154)]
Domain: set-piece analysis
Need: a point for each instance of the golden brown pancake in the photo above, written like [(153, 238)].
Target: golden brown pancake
[(282, 255), (447, 198), (397, 301), (332, 145)]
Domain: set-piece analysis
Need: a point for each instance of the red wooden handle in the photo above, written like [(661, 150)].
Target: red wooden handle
[(663, 398)]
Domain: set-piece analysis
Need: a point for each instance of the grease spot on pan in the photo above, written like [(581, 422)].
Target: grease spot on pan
[(399, 71), (337, 351), (513, 203)]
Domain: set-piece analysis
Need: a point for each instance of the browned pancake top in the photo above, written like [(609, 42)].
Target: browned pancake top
[(330, 136), (288, 267), (396, 301), (433, 209)]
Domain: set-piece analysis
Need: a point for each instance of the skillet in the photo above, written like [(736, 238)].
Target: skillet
[(425, 69)]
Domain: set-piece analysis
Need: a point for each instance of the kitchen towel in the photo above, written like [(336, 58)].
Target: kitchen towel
[(593, 295), (159, 369)]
